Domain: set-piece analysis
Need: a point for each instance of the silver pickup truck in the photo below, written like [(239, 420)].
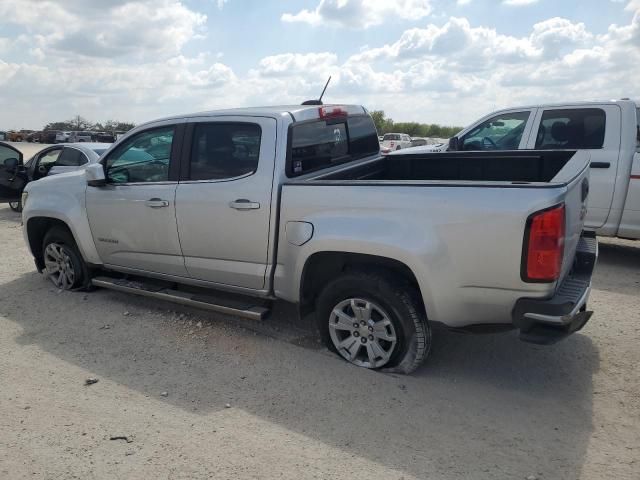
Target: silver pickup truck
[(230, 210)]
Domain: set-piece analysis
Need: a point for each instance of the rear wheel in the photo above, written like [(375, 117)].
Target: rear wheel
[(63, 263), (16, 206), (374, 320)]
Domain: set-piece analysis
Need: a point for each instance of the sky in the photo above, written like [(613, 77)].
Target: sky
[(431, 61)]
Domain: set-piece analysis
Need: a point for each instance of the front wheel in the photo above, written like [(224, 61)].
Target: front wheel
[(63, 262), (375, 321)]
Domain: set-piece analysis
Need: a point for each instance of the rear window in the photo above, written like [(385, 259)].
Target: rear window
[(322, 144), (577, 128), (390, 136)]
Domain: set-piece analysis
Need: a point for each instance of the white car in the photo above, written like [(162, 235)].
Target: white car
[(79, 137), (62, 137), (435, 148), (394, 141)]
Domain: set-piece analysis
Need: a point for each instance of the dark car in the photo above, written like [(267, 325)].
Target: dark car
[(49, 136)]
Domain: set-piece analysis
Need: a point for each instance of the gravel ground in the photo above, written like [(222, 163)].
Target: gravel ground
[(198, 395)]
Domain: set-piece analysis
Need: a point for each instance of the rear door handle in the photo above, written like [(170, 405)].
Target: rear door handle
[(244, 204), (600, 164), (156, 203)]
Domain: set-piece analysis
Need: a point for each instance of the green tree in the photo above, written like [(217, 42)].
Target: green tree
[(413, 129)]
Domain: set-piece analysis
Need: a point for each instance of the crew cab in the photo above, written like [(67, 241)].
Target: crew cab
[(232, 209), (608, 131)]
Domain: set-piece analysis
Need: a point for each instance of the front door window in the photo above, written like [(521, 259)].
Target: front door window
[(502, 132), (142, 158)]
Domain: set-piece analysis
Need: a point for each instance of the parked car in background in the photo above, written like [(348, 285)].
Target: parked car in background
[(608, 131), (394, 141), (62, 137), (79, 137), (313, 214), (34, 137), (49, 136), (428, 148), (104, 137), (20, 136), (418, 141), (49, 161)]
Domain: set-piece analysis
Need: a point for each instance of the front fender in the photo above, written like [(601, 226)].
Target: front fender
[(62, 197)]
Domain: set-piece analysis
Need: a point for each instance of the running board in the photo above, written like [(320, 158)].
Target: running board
[(245, 309)]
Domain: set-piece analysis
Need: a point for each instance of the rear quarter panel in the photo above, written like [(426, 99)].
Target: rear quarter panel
[(463, 243)]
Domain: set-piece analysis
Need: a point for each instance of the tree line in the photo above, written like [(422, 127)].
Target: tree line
[(413, 129), (79, 123)]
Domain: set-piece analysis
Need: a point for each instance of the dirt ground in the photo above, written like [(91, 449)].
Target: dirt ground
[(198, 395)]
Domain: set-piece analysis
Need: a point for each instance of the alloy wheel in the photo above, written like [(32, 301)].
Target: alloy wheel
[(59, 266), (362, 332)]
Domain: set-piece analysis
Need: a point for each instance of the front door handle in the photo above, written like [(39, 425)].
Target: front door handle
[(244, 204), (600, 164), (156, 203)]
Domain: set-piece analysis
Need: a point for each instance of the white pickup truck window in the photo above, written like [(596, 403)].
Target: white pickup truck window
[(638, 130), (572, 128), (502, 132)]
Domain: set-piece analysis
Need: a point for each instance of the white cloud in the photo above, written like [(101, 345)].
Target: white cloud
[(119, 28), (360, 13), (446, 72), (518, 3)]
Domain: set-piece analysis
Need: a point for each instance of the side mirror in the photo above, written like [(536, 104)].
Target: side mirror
[(454, 144), (95, 175), (11, 164)]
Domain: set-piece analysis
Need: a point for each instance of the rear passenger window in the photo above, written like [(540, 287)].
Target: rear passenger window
[(581, 128), (224, 150), (70, 157)]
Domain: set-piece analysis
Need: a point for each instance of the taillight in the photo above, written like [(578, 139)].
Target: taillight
[(332, 112), (544, 245)]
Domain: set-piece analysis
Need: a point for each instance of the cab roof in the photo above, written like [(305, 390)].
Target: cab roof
[(298, 113)]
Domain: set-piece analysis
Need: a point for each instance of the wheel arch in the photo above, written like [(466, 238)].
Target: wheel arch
[(36, 228), (321, 267)]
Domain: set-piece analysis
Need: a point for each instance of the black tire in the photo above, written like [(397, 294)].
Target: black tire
[(16, 206), (63, 239), (397, 298)]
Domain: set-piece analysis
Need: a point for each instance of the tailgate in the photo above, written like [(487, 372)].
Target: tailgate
[(576, 173)]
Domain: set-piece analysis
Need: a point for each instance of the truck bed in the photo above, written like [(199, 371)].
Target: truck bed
[(457, 219), (513, 166)]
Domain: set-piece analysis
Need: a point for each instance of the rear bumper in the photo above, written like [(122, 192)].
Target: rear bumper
[(546, 321)]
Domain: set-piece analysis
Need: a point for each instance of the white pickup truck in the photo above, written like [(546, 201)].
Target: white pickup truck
[(608, 131), (296, 203)]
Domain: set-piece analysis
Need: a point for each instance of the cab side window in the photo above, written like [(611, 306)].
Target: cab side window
[(142, 158), (502, 132), (49, 158), (69, 157), (224, 150), (580, 128)]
